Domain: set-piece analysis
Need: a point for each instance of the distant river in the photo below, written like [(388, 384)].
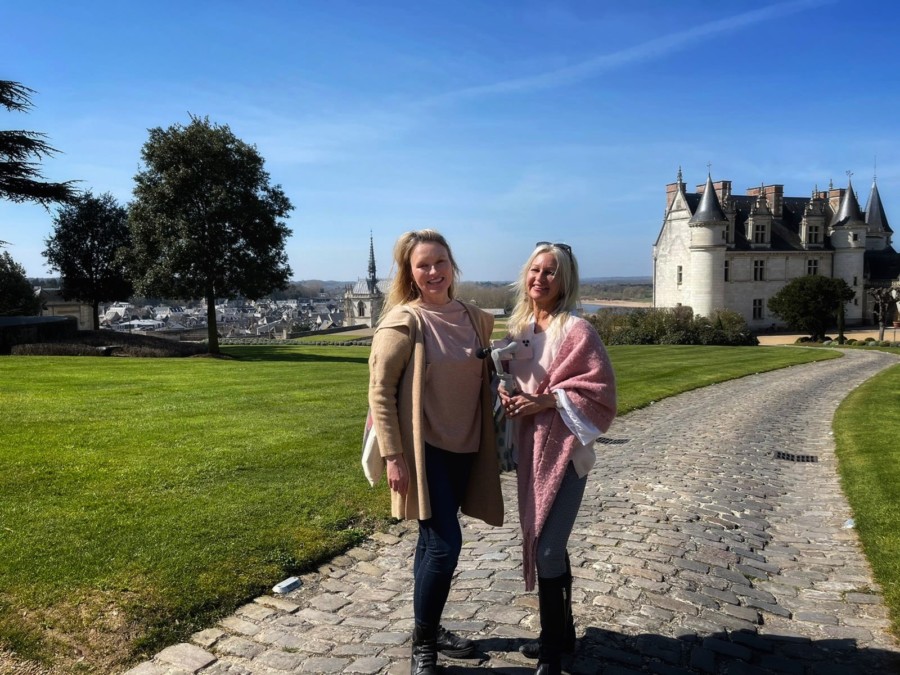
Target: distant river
[(590, 308)]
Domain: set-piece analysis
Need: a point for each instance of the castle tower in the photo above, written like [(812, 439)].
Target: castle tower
[(878, 232), (848, 237), (707, 253)]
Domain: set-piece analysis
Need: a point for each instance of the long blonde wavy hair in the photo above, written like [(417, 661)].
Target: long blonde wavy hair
[(403, 288), (566, 274)]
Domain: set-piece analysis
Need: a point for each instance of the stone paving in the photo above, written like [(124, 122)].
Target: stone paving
[(696, 550)]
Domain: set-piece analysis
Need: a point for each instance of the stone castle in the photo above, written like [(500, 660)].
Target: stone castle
[(718, 250)]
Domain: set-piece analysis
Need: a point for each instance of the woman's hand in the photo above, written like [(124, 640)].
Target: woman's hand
[(520, 405), (397, 474)]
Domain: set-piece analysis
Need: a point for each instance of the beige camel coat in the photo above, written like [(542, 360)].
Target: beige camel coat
[(396, 394)]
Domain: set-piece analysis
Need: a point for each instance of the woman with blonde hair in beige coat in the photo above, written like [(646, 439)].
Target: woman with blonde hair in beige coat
[(430, 401)]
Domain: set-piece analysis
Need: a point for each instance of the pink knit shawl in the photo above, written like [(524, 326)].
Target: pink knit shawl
[(545, 443)]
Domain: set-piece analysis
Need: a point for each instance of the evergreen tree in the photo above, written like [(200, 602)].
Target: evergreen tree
[(20, 176), (205, 221), (88, 248), (17, 296), (811, 304)]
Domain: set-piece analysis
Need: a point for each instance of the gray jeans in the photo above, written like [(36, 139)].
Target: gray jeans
[(551, 549)]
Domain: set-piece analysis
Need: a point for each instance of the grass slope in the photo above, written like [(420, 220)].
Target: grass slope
[(140, 499)]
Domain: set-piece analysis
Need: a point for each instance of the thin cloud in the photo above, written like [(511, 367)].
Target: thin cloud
[(639, 53)]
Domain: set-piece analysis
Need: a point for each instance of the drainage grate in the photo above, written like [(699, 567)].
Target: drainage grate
[(795, 458)]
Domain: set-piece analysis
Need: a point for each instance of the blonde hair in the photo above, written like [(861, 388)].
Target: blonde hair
[(566, 274), (403, 288)]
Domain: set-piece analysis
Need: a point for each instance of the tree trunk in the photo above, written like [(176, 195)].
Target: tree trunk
[(841, 337), (881, 330), (212, 332), (95, 314)]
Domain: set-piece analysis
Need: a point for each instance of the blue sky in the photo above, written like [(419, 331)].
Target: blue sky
[(498, 122)]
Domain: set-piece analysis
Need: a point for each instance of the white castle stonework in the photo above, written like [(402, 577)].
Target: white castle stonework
[(717, 250)]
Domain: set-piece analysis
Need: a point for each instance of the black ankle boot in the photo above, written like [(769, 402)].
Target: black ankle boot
[(452, 645), (424, 651)]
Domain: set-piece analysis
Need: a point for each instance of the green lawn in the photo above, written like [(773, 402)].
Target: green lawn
[(172, 489), (867, 436), (145, 498), (648, 373)]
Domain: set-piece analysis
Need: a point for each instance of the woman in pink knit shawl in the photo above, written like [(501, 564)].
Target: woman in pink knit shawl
[(565, 398)]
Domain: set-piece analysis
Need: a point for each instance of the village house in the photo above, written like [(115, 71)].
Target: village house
[(718, 250), (53, 304)]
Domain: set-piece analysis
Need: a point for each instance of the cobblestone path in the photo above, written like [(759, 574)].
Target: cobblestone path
[(697, 550)]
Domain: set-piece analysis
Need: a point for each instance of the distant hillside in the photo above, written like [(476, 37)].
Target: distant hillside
[(625, 281)]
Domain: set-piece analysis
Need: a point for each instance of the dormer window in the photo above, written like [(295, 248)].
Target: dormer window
[(815, 235), (759, 233)]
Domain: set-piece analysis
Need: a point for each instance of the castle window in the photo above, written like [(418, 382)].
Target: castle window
[(854, 281), (757, 308), (759, 233), (727, 270), (815, 235), (812, 267), (759, 270), (361, 309), (679, 274), (855, 236)]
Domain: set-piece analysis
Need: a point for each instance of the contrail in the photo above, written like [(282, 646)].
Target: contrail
[(639, 53)]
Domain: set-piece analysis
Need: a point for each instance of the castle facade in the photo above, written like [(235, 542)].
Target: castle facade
[(718, 250)]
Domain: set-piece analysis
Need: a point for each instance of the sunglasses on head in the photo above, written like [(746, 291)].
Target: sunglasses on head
[(562, 247)]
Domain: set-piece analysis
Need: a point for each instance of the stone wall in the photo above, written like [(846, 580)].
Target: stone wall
[(17, 330)]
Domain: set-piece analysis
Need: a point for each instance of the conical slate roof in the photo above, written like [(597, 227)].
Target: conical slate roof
[(849, 210), (709, 210), (876, 219)]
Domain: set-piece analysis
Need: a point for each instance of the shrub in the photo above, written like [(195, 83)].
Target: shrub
[(671, 326), (93, 342), (53, 349)]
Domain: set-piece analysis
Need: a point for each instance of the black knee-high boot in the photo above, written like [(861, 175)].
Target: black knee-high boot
[(552, 598), (569, 636), (532, 650), (424, 651)]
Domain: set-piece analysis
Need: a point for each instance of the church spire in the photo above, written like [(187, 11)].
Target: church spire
[(372, 280), (371, 256)]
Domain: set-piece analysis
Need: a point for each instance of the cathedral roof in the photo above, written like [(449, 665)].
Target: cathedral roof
[(709, 211), (875, 216), (361, 287), (849, 209)]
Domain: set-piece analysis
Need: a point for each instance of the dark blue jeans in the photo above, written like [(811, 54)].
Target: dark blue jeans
[(440, 537)]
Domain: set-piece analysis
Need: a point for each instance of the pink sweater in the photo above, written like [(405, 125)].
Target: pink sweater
[(581, 368)]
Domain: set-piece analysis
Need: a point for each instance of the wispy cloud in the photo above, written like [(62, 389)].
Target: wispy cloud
[(645, 51)]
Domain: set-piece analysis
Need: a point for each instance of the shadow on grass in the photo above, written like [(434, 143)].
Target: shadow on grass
[(739, 651), (294, 354)]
